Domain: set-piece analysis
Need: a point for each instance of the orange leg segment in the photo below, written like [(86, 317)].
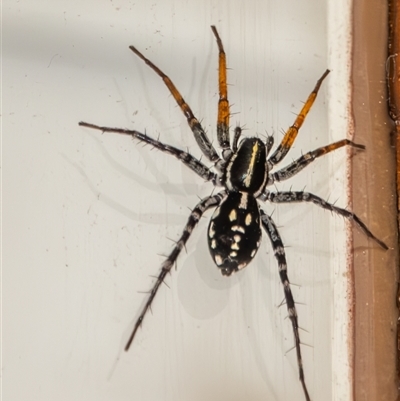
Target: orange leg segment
[(198, 131), (292, 132), (223, 103)]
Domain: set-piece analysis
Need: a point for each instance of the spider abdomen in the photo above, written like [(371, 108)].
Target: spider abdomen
[(234, 232)]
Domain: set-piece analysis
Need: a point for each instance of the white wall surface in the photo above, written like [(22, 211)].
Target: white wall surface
[(87, 217)]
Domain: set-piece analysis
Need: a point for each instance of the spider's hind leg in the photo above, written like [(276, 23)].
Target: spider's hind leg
[(197, 212), (301, 196), (279, 252)]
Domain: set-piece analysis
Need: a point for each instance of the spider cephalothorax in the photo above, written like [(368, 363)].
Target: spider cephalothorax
[(244, 172)]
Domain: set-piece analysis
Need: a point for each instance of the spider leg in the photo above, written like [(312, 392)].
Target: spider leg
[(236, 136), (300, 196), (166, 267), (279, 252), (186, 158), (223, 103), (306, 159), (201, 137), (292, 132)]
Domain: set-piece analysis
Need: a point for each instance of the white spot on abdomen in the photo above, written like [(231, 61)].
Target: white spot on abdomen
[(243, 200), (238, 228), (248, 219), (218, 260), (232, 215), (211, 231)]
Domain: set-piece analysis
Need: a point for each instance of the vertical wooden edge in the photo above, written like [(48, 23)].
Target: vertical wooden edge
[(373, 200), (393, 85)]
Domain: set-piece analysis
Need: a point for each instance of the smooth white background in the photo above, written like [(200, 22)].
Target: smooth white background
[(88, 217)]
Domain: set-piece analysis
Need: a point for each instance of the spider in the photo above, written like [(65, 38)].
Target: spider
[(244, 171)]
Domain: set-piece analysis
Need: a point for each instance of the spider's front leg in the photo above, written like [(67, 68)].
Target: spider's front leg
[(186, 158), (223, 102), (201, 137), (197, 212), (291, 134), (279, 252), (303, 161)]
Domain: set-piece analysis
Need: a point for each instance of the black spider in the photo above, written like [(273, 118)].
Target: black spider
[(244, 172)]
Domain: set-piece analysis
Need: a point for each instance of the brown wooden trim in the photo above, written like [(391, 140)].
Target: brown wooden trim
[(373, 199)]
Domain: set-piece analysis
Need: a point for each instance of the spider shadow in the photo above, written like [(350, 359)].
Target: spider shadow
[(204, 293), (202, 290), (160, 184), (161, 179)]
